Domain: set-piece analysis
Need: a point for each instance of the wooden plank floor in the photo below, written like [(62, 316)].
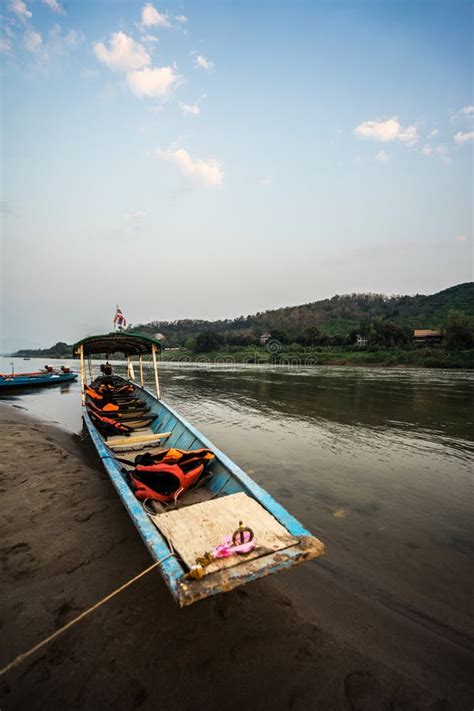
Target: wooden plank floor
[(143, 438), (193, 530)]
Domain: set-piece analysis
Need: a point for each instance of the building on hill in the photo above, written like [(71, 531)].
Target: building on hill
[(264, 338), (427, 336), (361, 340)]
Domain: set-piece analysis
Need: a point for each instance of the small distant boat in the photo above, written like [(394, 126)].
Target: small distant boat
[(207, 524), (25, 358), (48, 376)]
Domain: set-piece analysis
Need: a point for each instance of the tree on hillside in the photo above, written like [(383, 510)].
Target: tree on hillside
[(60, 348), (208, 341), (459, 332), (280, 335), (310, 336), (386, 333)]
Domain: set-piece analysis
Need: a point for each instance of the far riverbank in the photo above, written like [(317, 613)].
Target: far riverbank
[(294, 355)]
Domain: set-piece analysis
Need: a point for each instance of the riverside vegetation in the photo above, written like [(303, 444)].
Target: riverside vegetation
[(326, 332)]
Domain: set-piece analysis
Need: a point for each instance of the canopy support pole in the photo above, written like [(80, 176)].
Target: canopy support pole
[(83, 375), (155, 367), (140, 361), (130, 373)]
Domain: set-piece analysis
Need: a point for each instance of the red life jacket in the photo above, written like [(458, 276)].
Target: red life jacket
[(107, 426), (172, 472), (163, 482)]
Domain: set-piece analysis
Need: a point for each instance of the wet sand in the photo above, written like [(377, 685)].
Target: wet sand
[(276, 644)]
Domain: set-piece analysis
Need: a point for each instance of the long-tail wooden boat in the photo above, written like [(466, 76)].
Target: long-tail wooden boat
[(227, 500), (35, 379)]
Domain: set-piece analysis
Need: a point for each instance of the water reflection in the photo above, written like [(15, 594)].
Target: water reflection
[(434, 407)]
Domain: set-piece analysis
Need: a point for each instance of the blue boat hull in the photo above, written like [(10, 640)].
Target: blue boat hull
[(28, 381), (227, 478)]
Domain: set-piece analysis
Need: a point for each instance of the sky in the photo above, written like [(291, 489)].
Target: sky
[(212, 159)]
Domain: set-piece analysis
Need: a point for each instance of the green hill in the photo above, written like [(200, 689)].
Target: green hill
[(326, 322), (337, 316), (433, 310)]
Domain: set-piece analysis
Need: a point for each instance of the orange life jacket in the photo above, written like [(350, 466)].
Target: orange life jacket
[(107, 426), (93, 393), (109, 407), (171, 474)]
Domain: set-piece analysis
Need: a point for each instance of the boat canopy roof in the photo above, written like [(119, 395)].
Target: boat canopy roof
[(121, 342)]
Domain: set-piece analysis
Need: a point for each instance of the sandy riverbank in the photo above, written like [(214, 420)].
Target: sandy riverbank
[(67, 541)]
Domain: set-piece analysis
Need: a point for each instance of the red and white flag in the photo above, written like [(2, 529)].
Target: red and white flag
[(120, 321)]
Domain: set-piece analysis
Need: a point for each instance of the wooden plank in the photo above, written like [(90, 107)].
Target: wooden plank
[(139, 449), (112, 441), (196, 529)]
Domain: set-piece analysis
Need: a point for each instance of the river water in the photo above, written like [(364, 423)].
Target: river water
[(376, 462)]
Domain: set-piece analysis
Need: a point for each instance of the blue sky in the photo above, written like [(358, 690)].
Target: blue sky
[(210, 159)]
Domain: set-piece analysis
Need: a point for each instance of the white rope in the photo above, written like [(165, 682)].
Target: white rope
[(21, 657)]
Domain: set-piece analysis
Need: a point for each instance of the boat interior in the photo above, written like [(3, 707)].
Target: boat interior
[(143, 427)]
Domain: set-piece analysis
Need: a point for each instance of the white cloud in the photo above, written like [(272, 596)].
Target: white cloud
[(427, 150), (207, 172), (204, 63), (33, 41), (266, 181), (132, 221), (5, 45), (54, 6), (151, 17), (150, 39), (443, 153), (434, 132), (59, 43), (154, 82), (134, 216), (386, 131), (383, 156), (181, 18), (190, 109), (465, 111), (20, 9), (8, 30), (123, 54), (462, 137)]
